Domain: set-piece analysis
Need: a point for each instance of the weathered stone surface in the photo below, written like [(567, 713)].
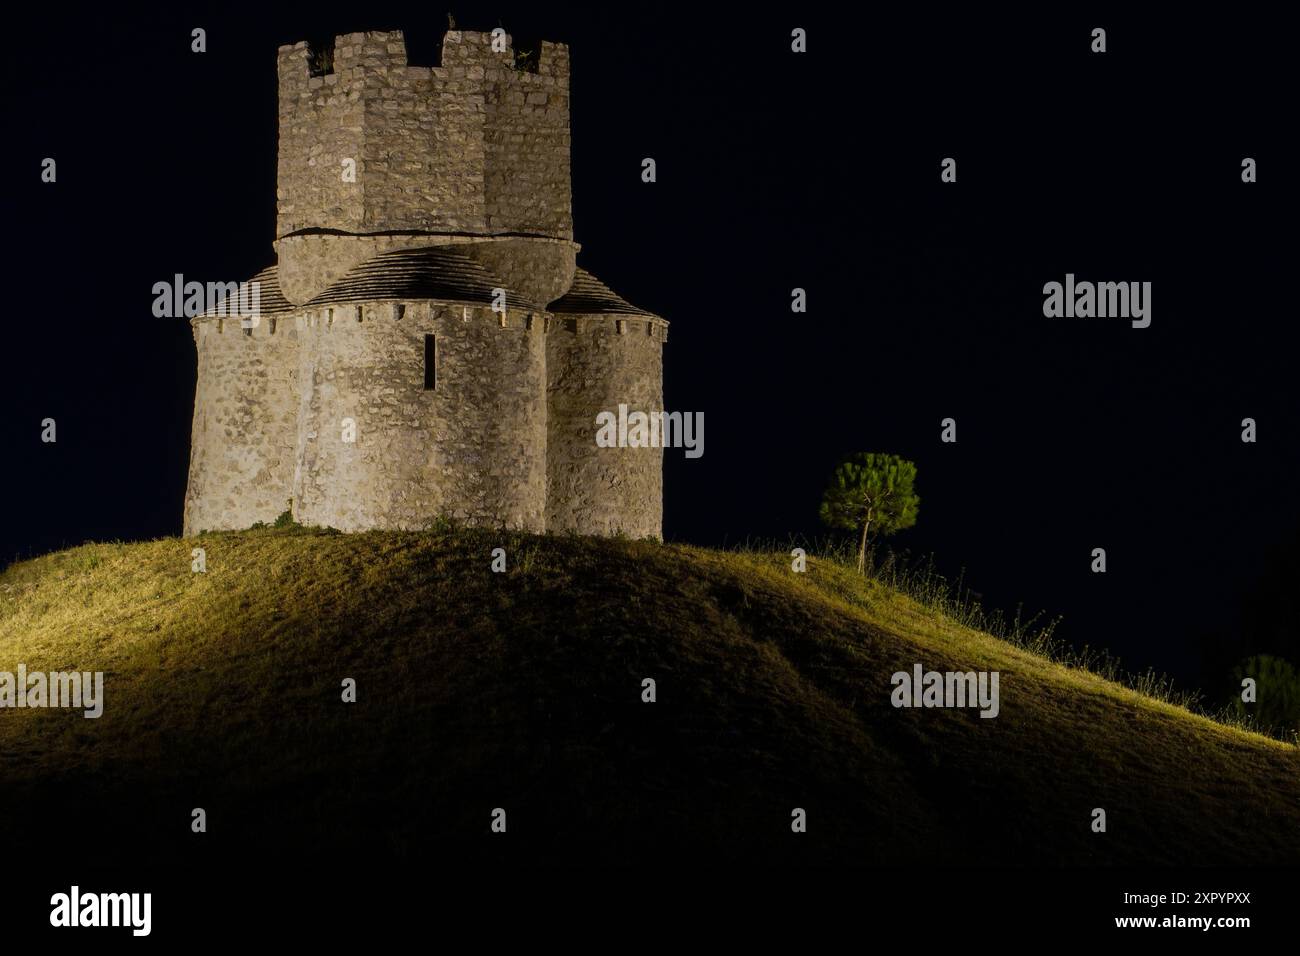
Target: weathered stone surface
[(591, 367), (473, 448), (455, 149), (245, 424), (462, 187)]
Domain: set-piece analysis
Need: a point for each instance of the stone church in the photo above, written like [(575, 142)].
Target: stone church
[(426, 346)]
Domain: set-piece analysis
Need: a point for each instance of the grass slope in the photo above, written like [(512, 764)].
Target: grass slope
[(522, 690)]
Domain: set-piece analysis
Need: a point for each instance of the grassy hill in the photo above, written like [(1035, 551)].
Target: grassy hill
[(522, 690)]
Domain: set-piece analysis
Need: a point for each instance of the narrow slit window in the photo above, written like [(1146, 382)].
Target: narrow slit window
[(430, 363)]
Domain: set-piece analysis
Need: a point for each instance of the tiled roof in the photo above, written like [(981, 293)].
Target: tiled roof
[(427, 273), (438, 273), (270, 299), (587, 295)]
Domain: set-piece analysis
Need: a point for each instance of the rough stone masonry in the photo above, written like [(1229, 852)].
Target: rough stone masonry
[(379, 387)]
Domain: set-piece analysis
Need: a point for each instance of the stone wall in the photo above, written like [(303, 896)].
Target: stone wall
[(473, 448), (321, 124), (475, 147), (473, 153), (592, 367), (424, 153), (526, 142), (539, 269), (506, 438), (242, 452)]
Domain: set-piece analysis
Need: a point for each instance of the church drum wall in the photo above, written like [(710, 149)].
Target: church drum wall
[(591, 368), (472, 449), (245, 424)]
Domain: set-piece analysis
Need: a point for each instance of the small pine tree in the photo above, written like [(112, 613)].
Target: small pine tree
[(872, 493)]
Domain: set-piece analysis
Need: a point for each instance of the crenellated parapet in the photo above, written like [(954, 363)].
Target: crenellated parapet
[(427, 346)]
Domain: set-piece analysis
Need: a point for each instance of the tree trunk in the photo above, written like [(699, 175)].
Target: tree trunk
[(862, 547)]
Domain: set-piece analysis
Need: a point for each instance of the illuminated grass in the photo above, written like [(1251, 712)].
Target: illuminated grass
[(523, 690)]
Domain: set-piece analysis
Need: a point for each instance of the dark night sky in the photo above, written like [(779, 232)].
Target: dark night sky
[(775, 171)]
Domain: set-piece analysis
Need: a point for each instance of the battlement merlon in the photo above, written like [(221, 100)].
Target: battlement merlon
[(371, 146), (464, 53)]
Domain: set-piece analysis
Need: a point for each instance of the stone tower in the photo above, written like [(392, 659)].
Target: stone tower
[(426, 346)]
